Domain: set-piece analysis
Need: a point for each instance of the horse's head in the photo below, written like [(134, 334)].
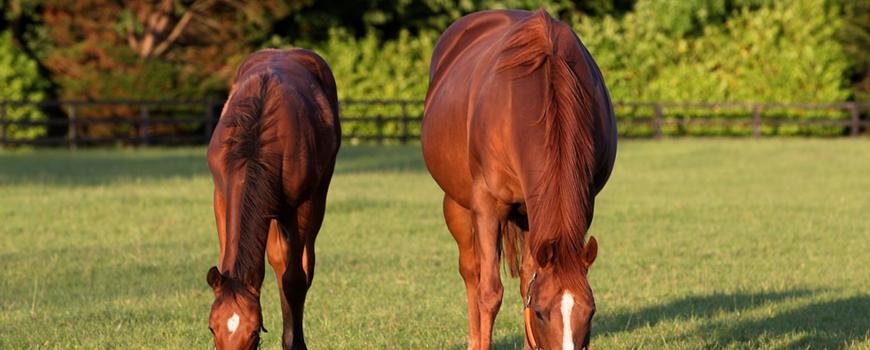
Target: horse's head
[(236, 317), (559, 316)]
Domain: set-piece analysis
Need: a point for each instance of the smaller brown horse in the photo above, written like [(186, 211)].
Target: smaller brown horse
[(519, 133), (271, 156)]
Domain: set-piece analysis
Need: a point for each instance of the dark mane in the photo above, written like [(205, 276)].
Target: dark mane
[(559, 220), (247, 155)]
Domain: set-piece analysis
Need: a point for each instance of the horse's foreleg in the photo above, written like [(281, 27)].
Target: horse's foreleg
[(485, 220), (459, 223)]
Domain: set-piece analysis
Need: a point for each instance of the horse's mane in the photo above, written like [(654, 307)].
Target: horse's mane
[(560, 217), (248, 153)]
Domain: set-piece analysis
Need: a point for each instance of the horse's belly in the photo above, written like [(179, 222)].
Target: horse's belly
[(445, 150)]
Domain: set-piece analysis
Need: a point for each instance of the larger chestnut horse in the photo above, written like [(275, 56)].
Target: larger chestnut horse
[(271, 156), (519, 133)]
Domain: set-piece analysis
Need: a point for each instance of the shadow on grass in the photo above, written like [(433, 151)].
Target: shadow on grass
[(815, 324), (119, 271), (700, 306), (820, 324), (831, 324), (362, 159), (101, 166), (703, 306)]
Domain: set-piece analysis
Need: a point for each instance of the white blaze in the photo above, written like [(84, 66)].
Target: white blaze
[(567, 334), (233, 323)]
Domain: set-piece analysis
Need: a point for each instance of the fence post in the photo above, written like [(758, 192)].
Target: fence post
[(144, 125), (3, 124), (209, 119), (855, 124), (72, 125), (657, 122), (756, 121), (405, 135), (379, 124)]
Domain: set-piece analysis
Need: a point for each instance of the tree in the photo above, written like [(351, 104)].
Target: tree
[(142, 49), (19, 80), (855, 36)]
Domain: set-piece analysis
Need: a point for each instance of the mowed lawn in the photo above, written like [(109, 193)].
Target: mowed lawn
[(704, 244)]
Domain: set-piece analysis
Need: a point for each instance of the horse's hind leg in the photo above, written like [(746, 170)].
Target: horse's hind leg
[(295, 260), (459, 223), (486, 218), (285, 253)]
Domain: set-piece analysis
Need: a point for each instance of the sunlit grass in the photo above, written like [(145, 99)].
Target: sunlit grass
[(703, 244)]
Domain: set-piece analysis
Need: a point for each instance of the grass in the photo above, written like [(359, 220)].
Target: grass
[(704, 244)]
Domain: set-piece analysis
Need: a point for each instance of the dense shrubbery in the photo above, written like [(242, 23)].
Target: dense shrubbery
[(649, 50), (779, 52), (19, 80), (371, 69), (663, 51)]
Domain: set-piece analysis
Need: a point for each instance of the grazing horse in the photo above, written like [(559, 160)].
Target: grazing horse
[(271, 156), (519, 133)]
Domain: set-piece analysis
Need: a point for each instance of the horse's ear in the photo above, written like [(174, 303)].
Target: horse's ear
[(546, 254), (590, 251), (214, 278)]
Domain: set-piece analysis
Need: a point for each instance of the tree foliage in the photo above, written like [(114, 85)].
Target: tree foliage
[(855, 37), (776, 52), (19, 80), (151, 50), (649, 50)]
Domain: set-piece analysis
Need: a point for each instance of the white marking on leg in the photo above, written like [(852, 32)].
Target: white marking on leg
[(233, 323), (567, 334)]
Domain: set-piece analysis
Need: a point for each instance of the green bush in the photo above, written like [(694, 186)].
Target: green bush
[(20, 81), (748, 51), (369, 68), (762, 52)]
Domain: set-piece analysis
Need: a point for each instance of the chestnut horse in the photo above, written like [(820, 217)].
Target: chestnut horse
[(271, 156), (519, 133)]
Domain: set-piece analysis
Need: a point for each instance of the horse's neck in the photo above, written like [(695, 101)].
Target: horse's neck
[(252, 272), (245, 247)]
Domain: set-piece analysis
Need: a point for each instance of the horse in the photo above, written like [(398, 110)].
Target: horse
[(271, 156), (519, 133)]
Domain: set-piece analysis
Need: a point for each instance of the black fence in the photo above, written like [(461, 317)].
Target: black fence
[(169, 122)]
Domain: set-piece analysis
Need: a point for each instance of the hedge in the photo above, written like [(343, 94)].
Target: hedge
[(759, 51)]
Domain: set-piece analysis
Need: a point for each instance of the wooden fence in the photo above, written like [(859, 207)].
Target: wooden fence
[(143, 123)]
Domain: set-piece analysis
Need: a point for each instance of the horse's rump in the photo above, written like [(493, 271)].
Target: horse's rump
[(281, 109)]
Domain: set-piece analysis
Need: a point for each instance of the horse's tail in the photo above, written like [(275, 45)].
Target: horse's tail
[(560, 212), (511, 233), (249, 154)]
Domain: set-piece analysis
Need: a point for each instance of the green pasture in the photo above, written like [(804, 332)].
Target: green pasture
[(704, 244)]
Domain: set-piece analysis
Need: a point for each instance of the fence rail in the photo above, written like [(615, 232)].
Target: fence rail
[(145, 122)]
